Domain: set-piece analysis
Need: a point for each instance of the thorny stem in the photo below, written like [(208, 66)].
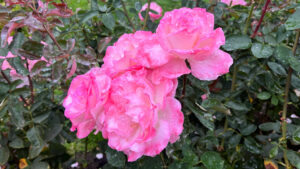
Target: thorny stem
[(8, 81), (163, 160), (147, 14), (183, 86), (52, 36), (261, 18), (127, 16), (85, 148), (285, 105), (248, 19)]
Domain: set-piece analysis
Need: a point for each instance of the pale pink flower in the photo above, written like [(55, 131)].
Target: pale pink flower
[(84, 103), (234, 2), (142, 117), (189, 34), (153, 16)]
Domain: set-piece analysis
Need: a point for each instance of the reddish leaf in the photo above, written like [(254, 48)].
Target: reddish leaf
[(103, 44), (65, 13), (14, 2), (73, 69), (33, 23), (7, 30), (61, 10)]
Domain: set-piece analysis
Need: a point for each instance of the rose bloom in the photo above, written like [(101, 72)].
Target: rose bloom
[(142, 49), (142, 117), (153, 16), (234, 2), (85, 99), (189, 34)]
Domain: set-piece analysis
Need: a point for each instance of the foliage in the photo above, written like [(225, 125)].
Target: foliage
[(242, 124)]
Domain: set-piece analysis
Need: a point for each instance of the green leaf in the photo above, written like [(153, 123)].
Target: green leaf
[(261, 51), (151, 163), (41, 118), (18, 65), (274, 100), (4, 87), (3, 52), (237, 106), (115, 158), (252, 145), (37, 144), (4, 154), (103, 8), (237, 42), (138, 6), (94, 4), (296, 135), (293, 21), (109, 21), (31, 49), (295, 63), (212, 160), (283, 53), (54, 127), (38, 66), (17, 42), (39, 165), (203, 118), (294, 158), (277, 68), (248, 130), (264, 95), (234, 140), (16, 111), (270, 126), (88, 16), (19, 91), (17, 143), (274, 151)]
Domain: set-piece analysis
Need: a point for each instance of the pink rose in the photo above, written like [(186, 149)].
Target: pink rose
[(234, 2), (153, 16), (85, 99), (142, 117), (140, 49), (189, 34)]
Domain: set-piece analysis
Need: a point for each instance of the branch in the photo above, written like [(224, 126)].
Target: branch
[(127, 16), (147, 14), (261, 18)]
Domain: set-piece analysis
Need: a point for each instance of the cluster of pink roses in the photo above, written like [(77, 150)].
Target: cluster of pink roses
[(130, 99)]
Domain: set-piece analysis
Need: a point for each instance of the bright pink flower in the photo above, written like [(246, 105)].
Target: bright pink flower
[(140, 49), (85, 99), (234, 2), (189, 34), (142, 117), (153, 6)]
